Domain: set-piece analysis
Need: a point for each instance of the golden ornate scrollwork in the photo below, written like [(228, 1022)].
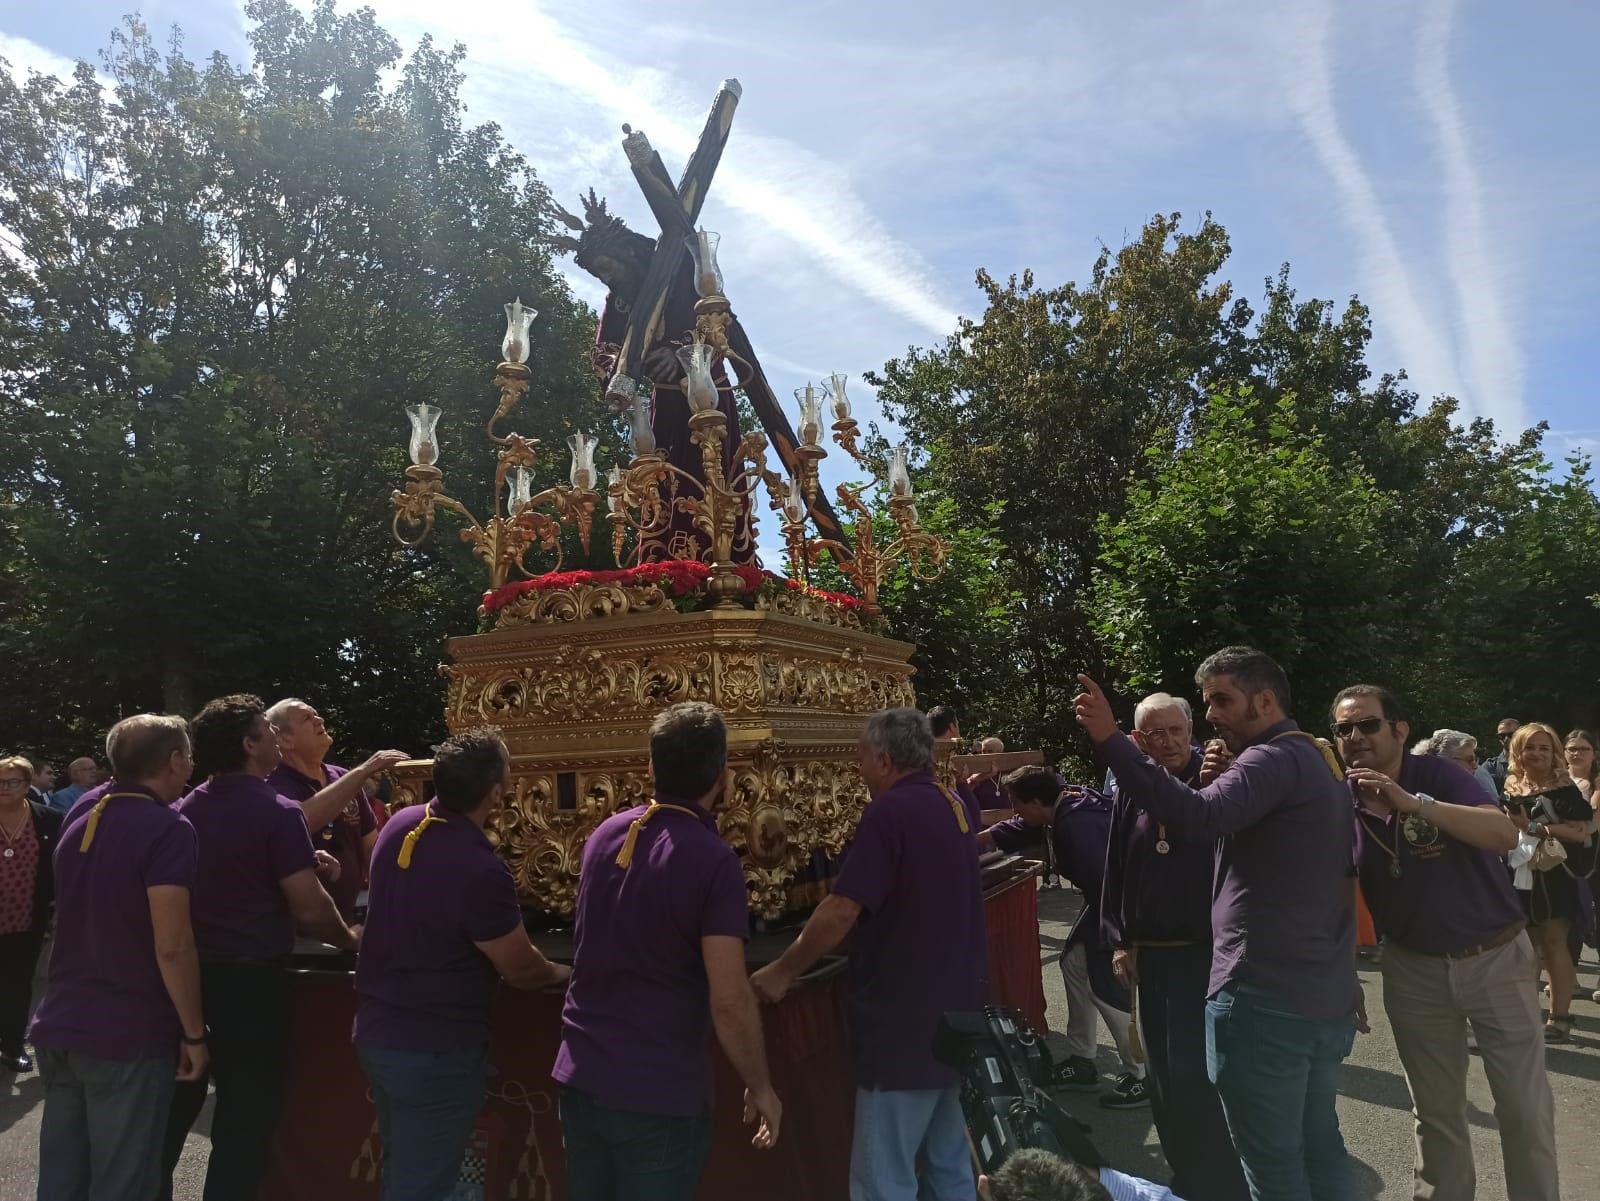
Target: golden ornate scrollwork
[(574, 702)]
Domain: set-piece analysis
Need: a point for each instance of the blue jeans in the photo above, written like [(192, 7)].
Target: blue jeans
[(622, 1155), (894, 1127), (103, 1121), (1278, 1075), (427, 1103)]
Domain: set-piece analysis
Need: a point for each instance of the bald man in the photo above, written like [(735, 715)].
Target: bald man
[(82, 774)]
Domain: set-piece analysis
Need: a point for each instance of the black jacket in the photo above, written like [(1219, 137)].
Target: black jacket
[(46, 828)]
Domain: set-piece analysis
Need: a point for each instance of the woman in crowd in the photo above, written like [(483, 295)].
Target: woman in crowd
[(28, 830), (1543, 801), (1583, 763), (1463, 748)]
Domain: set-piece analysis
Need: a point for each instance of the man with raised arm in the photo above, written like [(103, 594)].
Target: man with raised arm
[(1429, 843), (338, 810), (1283, 1003), (120, 1022)]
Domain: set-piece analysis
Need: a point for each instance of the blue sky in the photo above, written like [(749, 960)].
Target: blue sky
[(1438, 158)]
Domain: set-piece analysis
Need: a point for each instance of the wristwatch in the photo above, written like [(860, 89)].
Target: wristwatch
[(194, 1042), (1425, 802)]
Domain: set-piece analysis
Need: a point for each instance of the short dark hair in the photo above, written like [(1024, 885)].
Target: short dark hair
[(1033, 783), (219, 731), (943, 719), (1033, 1174), (467, 766), (1252, 670), (138, 747), (688, 749), (1388, 701)]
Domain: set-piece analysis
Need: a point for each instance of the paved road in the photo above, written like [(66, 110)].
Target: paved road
[(1374, 1108)]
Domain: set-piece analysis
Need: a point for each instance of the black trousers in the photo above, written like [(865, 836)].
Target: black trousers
[(1173, 982), (19, 956), (247, 1008)]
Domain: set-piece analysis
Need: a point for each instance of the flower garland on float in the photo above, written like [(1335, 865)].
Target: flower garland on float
[(682, 581)]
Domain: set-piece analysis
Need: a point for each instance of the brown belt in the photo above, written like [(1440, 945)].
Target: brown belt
[(1509, 934)]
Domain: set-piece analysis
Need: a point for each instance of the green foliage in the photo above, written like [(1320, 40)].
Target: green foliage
[(1240, 538), (218, 288), (1163, 469)]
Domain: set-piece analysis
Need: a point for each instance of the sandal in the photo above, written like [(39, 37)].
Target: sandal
[(1558, 1029)]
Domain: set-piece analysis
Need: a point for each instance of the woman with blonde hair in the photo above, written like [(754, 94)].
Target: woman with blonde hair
[(1544, 802)]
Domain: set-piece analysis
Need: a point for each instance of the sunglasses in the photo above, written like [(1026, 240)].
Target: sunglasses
[(1367, 725)]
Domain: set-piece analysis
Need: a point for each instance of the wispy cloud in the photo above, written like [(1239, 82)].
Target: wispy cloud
[(790, 191), (24, 55), (1309, 79), (1488, 345)]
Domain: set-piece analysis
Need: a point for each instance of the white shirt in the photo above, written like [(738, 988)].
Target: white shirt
[(1131, 1188)]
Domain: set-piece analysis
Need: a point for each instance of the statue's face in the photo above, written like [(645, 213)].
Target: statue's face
[(610, 272)]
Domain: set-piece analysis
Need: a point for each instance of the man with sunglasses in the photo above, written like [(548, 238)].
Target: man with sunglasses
[(1501, 763), (1428, 847)]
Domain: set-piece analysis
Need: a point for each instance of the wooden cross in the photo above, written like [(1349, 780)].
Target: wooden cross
[(676, 208)]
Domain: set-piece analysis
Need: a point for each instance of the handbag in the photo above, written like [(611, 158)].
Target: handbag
[(1549, 854)]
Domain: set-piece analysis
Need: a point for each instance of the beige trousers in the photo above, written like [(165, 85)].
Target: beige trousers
[(1430, 1001)]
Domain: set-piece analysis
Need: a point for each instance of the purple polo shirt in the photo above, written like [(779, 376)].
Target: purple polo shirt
[(104, 996), (1079, 832), (636, 1026), (341, 837), (973, 806), (1151, 896), (920, 947), (422, 984), (1449, 896), (1282, 917), (250, 840)]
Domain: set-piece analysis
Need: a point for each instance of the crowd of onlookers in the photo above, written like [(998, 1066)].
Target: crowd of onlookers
[(1224, 884)]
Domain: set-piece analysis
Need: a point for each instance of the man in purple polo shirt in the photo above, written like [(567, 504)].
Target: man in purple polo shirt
[(1075, 824), (661, 926), (1284, 1002), (255, 885), (338, 810), (909, 889), (1156, 917), (946, 723), (121, 1014), (1429, 843), (442, 922)]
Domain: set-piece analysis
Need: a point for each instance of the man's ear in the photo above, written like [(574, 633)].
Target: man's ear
[(1403, 729)]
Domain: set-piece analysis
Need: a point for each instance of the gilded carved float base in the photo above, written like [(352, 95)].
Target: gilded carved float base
[(574, 701)]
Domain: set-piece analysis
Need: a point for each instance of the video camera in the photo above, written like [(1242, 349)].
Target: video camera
[(1005, 1072)]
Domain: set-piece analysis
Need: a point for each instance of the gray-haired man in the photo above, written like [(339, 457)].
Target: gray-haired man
[(910, 883), (1156, 918)]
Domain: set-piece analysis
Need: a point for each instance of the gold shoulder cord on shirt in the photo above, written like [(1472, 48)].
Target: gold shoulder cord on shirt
[(957, 808), (408, 845), (625, 855), (93, 824), (1323, 749)]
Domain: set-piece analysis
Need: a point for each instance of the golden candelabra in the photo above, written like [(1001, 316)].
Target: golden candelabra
[(868, 564), (644, 496), (517, 524)]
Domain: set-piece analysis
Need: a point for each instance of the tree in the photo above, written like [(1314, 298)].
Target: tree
[(1240, 539), (1066, 406), (218, 287)]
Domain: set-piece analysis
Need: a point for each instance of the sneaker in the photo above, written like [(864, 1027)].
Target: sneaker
[(1074, 1075), (1595, 996), (1129, 1092)]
